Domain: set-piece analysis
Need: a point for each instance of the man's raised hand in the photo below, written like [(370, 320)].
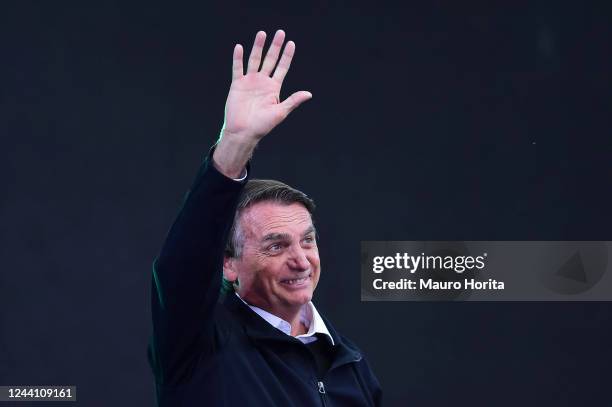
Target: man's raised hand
[(253, 106)]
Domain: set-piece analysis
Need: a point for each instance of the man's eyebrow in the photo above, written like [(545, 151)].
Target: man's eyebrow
[(311, 229), (275, 236), (285, 236)]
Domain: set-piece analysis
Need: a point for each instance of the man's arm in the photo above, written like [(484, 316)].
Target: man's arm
[(187, 273)]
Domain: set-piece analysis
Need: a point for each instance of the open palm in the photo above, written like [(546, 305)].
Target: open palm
[(253, 106)]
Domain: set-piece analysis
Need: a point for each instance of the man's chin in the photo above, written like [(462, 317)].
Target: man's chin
[(299, 298)]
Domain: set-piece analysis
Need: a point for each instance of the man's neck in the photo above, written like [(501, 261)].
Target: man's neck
[(298, 328), (293, 317)]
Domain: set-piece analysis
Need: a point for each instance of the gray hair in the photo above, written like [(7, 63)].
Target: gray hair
[(260, 190)]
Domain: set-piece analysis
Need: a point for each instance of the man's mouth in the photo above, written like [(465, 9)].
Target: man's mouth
[(296, 281)]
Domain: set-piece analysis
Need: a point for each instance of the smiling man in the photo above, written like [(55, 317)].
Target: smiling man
[(233, 320), (278, 267)]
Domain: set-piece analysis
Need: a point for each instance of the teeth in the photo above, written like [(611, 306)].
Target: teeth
[(295, 281)]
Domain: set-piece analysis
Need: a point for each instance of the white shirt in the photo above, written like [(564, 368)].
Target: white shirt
[(309, 316)]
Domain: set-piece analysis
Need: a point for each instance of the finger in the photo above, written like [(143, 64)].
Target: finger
[(255, 56), (272, 54), (285, 62), (295, 100), (237, 68)]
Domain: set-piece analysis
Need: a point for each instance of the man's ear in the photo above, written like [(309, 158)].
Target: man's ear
[(229, 269)]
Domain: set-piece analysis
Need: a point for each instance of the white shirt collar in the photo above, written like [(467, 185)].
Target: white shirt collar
[(309, 316)]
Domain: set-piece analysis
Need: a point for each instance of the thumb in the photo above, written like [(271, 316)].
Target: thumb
[(295, 100)]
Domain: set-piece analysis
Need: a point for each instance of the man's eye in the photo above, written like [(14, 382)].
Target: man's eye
[(309, 239), (275, 247)]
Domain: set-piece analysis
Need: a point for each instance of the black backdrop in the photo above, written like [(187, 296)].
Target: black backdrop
[(440, 121)]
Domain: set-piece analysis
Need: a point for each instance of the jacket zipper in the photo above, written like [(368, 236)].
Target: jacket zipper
[(322, 392)]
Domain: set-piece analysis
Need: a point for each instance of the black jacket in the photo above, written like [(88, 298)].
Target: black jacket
[(207, 351)]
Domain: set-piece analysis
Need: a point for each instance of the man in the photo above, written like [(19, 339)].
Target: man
[(264, 343)]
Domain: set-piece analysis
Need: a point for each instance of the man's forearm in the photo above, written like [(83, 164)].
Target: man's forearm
[(187, 274), (232, 153)]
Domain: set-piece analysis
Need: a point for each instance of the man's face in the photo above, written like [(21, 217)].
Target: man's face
[(279, 267)]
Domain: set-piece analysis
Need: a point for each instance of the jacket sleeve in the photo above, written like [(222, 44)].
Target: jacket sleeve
[(186, 279), (369, 383)]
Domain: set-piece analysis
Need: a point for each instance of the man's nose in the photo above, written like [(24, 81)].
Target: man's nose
[(298, 260)]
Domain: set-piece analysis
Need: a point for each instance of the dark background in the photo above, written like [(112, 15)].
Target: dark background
[(441, 121)]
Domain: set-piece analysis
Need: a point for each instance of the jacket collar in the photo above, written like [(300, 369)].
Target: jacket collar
[(261, 331), (309, 316)]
